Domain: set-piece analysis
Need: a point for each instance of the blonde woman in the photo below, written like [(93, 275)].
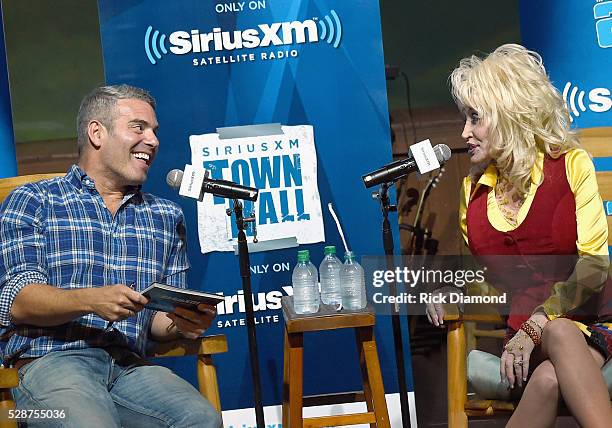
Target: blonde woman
[(532, 192)]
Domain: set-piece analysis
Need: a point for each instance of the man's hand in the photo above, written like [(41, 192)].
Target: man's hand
[(192, 323), (46, 305), (116, 302)]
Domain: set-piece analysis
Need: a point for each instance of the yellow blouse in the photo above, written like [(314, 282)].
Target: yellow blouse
[(592, 227)]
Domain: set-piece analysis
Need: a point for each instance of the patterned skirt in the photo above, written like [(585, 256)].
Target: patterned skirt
[(599, 336)]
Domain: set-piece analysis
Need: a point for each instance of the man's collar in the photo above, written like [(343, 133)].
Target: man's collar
[(79, 179)]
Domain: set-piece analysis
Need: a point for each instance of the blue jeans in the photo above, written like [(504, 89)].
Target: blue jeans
[(98, 389)]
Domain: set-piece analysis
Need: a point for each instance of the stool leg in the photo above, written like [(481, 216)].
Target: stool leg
[(295, 379), (286, 372), (368, 356), (367, 389)]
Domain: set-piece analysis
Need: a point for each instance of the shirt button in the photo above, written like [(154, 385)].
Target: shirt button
[(509, 240)]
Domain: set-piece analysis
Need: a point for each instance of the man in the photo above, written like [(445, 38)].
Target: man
[(74, 252)]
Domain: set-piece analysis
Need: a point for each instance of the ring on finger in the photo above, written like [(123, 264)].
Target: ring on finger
[(518, 363)]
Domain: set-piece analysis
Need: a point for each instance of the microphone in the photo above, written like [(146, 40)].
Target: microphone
[(398, 169), (222, 188)]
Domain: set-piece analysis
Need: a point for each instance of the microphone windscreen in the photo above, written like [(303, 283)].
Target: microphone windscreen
[(174, 178), (443, 153)]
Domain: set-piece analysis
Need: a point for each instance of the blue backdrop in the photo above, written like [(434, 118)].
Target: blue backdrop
[(575, 41), (8, 163), (335, 84)]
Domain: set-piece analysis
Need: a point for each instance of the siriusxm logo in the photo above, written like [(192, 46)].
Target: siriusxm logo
[(602, 11), (598, 100), (261, 301), (328, 29)]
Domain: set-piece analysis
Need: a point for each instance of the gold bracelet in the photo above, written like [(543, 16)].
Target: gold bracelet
[(530, 321), (527, 328)]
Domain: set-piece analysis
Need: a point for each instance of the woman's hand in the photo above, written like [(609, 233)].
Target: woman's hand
[(517, 352), (435, 314), (515, 359)]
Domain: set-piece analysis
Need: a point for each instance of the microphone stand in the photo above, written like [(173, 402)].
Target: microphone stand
[(245, 274), (387, 237)]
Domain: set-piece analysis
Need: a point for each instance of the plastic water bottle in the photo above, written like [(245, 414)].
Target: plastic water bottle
[(353, 283), (305, 285), (329, 270), (315, 273)]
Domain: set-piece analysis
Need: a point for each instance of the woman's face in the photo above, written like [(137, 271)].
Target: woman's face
[(476, 134)]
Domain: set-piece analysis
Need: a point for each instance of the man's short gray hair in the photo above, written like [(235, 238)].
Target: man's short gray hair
[(100, 105)]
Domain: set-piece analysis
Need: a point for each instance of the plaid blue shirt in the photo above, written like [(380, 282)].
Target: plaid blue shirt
[(59, 232)]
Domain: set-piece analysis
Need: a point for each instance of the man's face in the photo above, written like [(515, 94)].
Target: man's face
[(129, 148)]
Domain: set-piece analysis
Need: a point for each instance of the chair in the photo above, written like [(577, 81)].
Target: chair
[(598, 142), (203, 347)]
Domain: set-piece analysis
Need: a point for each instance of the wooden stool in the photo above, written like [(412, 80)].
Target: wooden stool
[(328, 319)]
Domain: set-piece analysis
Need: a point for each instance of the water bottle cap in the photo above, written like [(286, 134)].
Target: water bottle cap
[(303, 256), (330, 249), (349, 255)]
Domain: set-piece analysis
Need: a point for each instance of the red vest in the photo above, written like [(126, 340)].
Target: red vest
[(528, 271)]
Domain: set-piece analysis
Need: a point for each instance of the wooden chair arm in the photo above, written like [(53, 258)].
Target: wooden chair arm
[(208, 345), (473, 312), (8, 378), (204, 348)]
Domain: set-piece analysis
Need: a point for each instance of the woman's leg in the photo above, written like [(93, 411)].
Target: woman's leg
[(578, 370), (540, 401)]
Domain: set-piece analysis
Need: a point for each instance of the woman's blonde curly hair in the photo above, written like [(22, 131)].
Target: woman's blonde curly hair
[(525, 113)]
